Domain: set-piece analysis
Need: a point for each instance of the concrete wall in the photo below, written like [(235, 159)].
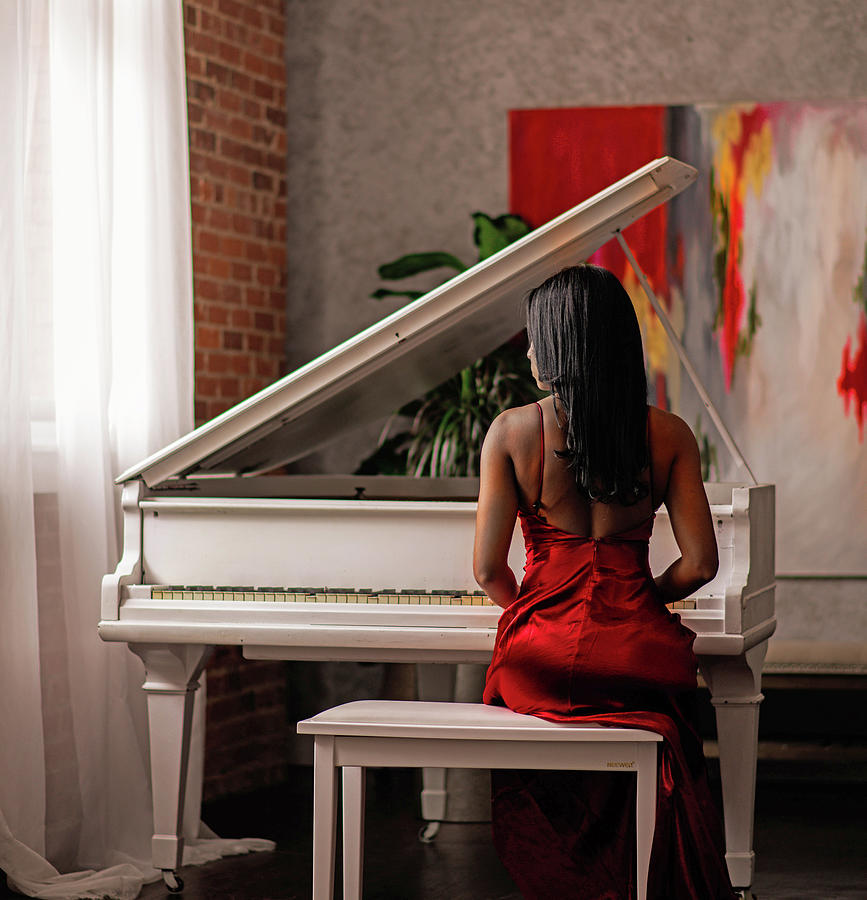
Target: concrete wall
[(399, 131), (399, 111)]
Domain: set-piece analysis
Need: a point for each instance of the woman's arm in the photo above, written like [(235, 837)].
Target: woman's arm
[(691, 521), (495, 519)]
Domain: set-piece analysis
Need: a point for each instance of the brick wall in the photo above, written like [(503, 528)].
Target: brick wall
[(236, 96)]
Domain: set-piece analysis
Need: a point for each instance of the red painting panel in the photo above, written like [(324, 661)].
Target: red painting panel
[(560, 157)]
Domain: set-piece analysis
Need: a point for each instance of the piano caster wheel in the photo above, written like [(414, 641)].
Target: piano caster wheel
[(428, 832), (746, 894), (174, 884)]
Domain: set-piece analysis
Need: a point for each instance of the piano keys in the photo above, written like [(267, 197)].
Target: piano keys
[(213, 546)]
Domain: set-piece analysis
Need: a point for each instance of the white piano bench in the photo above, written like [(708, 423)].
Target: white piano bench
[(412, 734)]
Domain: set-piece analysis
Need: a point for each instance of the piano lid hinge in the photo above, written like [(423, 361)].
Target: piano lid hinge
[(175, 485)]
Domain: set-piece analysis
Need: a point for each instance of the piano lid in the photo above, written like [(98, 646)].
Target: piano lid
[(412, 350)]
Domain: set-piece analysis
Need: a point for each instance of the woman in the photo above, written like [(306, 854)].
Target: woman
[(587, 636)]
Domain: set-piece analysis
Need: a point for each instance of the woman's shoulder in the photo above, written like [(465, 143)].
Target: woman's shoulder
[(514, 427), (668, 430)]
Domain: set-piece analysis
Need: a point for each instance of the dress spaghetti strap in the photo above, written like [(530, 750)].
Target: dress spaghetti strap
[(537, 505)]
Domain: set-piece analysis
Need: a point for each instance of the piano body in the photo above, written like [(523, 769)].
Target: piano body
[(379, 567)]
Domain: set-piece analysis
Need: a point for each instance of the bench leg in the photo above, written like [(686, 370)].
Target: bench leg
[(645, 813), (353, 831), (324, 816)]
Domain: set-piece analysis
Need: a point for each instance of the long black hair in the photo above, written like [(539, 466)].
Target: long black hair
[(587, 344)]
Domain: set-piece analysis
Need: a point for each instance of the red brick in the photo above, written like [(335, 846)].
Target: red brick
[(208, 241), (216, 266), (252, 17), (203, 140), (207, 337), (237, 32), (206, 386), (264, 89), (242, 271), (263, 321), (231, 8), (231, 293), (251, 108), (219, 218), (266, 276), (232, 246), (241, 318), (254, 297), (230, 54), (230, 388), (194, 65), (232, 340), (218, 315), (211, 23), (201, 43), (200, 91), (219, 363), (229, 101), (255, 251), (265, 367), (277, 25), (262, 181), (240, 364)]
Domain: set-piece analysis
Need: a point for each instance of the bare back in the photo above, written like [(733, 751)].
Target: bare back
[(512, 458), (562, 504)]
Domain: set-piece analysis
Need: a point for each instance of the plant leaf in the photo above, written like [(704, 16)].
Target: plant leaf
[(379, 293), (413, 263), (492, 235)]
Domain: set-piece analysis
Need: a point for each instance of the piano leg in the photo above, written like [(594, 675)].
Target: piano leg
[(735, 687), (435, 682), (171, 680)]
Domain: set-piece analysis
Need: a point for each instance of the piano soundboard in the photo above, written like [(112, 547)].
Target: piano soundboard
[(216, 551)]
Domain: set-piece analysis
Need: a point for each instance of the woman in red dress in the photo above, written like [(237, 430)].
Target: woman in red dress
[(587, 636)]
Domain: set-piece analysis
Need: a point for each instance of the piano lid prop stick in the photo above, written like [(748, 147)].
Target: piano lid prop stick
[(687, 364)]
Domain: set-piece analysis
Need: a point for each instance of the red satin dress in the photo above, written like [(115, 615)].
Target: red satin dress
[(589, 639)]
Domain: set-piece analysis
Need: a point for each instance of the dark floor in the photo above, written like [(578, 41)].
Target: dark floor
[(811, 842)]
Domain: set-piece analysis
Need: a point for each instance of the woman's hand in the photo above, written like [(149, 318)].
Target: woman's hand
[(495, 518), (689, 514)]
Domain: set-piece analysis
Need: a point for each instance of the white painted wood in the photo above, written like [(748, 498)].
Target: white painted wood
[(129, 569), (171, 680), (353, 838), (324, 817), (275, 540), (314, 543), (735, 686), (415, 348), (435, 683), (645, 812), (412, 734), (344, 543)]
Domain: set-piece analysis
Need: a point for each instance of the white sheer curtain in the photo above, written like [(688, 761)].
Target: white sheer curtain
[(96, 361)]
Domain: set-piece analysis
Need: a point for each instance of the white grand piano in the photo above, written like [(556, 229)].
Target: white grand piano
[(215, 551)]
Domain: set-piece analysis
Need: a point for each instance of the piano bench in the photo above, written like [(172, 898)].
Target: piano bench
[(412, 734)]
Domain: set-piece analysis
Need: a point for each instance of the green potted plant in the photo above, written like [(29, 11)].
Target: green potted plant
[(441, 433)]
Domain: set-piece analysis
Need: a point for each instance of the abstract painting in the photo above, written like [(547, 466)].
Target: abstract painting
[(762, 266)]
